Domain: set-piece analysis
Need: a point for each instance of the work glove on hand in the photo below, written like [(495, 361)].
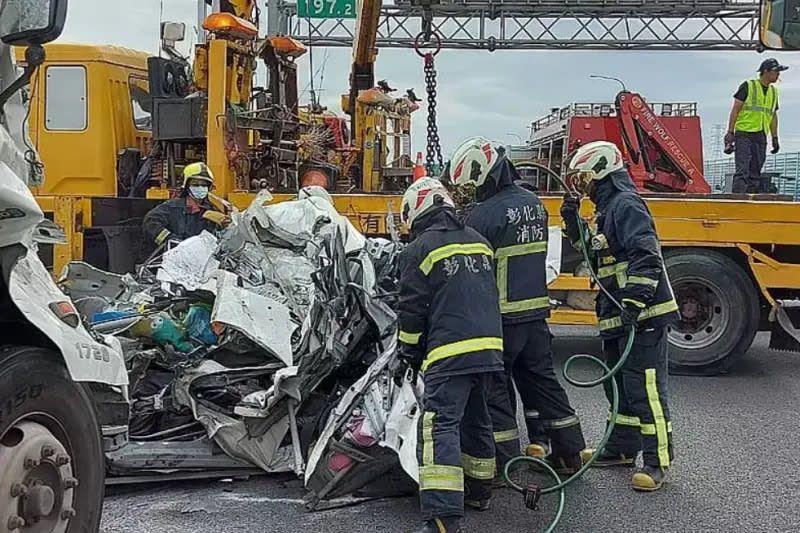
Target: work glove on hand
[(406, 362), (630, 314), (220, 219), (569, 212), (570, 207), (776, 146), (729, 137)]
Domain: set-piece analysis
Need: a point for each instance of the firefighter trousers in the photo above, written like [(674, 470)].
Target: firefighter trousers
[(456, 450), (549, 417), (643, 422)]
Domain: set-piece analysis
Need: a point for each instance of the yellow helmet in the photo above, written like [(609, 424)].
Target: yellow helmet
[(197, 171)]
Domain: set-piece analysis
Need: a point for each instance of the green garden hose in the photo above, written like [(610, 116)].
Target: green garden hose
[(608, 374)]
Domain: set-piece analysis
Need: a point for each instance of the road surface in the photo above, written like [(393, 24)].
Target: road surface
[(736, 470)]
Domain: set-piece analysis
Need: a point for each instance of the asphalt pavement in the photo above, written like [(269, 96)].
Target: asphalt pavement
[(737, 469)]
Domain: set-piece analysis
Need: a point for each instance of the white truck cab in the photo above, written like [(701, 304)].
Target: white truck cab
[(61, 386)]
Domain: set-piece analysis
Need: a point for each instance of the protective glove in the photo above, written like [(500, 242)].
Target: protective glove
[(729, 138), (630, 314), (406, 362), (569, 213), (776, 146), (729, 143), (570, 207), (220, 219)]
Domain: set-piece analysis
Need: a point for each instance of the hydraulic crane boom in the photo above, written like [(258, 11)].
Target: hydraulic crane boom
[(362, 73), (656, 158)]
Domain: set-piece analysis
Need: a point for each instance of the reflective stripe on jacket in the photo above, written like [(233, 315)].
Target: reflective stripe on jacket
[(629, 263), (757, 112), (448, 304), (514, 221)]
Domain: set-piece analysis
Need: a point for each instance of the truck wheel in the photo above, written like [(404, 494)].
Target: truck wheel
[(719, 310), (51, 454)]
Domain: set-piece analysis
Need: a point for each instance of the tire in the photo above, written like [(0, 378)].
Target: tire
[(719, 309), (40, 406)]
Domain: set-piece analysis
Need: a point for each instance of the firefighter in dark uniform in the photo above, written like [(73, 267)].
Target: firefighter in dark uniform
[(514, 221), (628, 262), (450, 330), (188, 214)]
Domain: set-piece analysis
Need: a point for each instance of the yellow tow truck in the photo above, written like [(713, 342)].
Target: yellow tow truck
[(734, 262)]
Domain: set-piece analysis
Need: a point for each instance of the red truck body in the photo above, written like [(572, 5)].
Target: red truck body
[(662, 143)]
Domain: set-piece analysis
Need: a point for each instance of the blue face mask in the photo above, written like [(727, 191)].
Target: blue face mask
[(199, 191)]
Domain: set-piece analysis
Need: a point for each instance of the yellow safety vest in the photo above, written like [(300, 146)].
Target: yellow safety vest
[(758, 109)]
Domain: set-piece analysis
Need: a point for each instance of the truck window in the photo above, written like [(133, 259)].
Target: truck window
[(65, 98), (776, 17), (141, 103)]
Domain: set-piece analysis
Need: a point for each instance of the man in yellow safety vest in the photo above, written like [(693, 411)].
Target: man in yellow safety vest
[(753, 116)]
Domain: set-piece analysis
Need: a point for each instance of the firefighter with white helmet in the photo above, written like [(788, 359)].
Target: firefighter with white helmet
[(188, 214), (628, 262), (514, 221), (451, 331)]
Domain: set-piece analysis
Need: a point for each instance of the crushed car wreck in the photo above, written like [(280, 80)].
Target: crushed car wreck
[(270, 345)]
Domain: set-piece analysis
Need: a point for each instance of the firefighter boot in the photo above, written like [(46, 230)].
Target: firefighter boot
[(448, 524), (536, 449), (649, 478), (565, 466), (607, 458), (478, 505)]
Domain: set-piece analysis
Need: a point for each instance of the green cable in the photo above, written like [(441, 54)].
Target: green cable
[(608, 374)]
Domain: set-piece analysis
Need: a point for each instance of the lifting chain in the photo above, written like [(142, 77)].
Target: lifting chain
[(433, 154)]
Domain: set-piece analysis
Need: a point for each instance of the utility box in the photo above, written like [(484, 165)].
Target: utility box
[(179, 119)]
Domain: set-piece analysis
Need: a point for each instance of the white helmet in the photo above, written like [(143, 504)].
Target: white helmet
[(314, 191), (472, 161), (420, 197), (592, 162)]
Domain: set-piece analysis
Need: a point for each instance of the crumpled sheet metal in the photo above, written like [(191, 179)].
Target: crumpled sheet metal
[(191, 263), (293, 223), (353, 239), (258, 404), (401, 427), (344, 409), (231, 434), (261, 319), (292, 271), (298, 222)]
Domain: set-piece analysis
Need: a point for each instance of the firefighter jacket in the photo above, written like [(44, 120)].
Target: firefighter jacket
[(448, 305), (514, 221), (627, 258), (177, 219)]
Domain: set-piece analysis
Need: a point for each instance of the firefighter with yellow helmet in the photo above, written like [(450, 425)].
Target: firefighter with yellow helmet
[(188, 214)]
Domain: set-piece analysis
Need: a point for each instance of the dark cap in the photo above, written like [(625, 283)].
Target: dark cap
[(772, 64)]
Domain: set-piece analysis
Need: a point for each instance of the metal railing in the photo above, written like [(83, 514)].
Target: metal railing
[(662, 109)]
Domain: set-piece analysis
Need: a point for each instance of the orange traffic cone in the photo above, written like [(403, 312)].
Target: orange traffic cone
[(419, 168)]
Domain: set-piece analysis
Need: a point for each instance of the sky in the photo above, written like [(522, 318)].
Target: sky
[(493, 94)]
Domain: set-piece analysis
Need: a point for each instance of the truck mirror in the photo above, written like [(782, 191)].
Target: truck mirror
[(173, 32), (779, 24), (31, 22)]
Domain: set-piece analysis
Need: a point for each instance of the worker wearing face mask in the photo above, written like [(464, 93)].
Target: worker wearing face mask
[(188, 214)]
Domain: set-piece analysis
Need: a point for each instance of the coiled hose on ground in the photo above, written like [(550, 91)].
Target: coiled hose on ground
[(608, 374)]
